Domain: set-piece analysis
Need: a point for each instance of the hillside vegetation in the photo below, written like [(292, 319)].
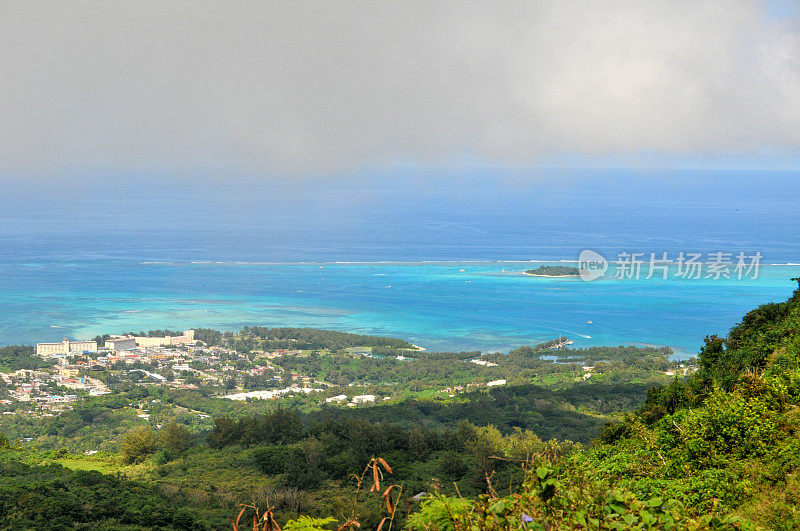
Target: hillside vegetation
[(718, 449)]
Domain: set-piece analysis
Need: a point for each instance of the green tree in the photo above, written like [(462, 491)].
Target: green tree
[(138, 443), (176, 437)]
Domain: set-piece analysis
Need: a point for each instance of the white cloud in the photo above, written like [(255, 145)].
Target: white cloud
[(325, 86)]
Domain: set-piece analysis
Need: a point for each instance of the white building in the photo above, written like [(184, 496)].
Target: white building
[(121, 343), (144, 341), (363, 399), (496, 382), (337, 398), (65, 347)]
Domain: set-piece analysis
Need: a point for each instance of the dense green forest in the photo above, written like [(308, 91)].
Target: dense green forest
[(715, 449), (554, 271), (16, 357), (259, 337), (54, 497)]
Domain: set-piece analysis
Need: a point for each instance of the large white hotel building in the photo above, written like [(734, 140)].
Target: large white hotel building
[(65, 347)]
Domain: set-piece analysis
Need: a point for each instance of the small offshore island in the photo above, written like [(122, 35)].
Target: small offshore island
[(553, 271)]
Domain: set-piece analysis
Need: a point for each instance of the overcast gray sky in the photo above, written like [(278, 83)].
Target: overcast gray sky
[(296, 87)]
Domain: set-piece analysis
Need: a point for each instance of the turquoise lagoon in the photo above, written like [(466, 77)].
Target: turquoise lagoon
[(443, 305), (384, 254)]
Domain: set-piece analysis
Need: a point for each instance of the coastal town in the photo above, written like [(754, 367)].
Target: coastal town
[(177, 362), (69, 371), (170, 361)]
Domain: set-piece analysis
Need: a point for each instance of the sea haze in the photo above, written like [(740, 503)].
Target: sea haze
[(135, 254)]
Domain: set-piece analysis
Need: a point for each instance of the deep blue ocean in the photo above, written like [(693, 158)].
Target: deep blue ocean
[(432, 256)]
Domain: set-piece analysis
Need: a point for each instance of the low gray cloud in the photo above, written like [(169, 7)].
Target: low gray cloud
[(298, 87)]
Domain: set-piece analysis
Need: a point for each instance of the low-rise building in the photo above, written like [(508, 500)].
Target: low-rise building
[(337, 398), (363, 399), (145, 341), (68, 372)]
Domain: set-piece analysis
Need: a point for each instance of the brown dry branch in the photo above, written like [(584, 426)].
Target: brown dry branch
[(377, 465), (350, 524), (261, 522)]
